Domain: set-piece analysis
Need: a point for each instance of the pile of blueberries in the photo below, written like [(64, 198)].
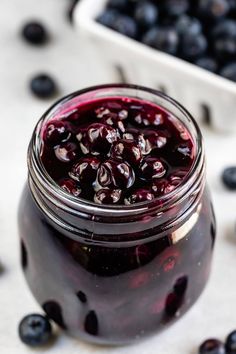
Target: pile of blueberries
[(202, 32)]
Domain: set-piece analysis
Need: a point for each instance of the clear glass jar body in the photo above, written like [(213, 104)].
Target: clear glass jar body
[(115, 274)]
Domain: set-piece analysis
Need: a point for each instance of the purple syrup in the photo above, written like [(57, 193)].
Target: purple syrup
[(117, 144)]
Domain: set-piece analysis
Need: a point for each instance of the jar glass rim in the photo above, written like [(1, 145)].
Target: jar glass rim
[(52, 187)]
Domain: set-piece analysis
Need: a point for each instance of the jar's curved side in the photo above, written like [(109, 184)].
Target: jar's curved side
[(120, 294)]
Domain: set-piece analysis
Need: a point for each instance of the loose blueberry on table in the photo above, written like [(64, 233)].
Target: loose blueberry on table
[(43, 86), (202, 32), (117, 166), (35, 33), (35, 330), (229, 177), (212, 346)]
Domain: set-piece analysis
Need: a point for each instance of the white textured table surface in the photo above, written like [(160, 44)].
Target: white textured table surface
[(215, 312)]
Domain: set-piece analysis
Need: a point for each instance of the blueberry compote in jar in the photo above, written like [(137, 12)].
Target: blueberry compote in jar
[(116, 223)]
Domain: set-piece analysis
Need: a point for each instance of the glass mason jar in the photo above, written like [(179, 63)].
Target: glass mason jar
[(113, 274)]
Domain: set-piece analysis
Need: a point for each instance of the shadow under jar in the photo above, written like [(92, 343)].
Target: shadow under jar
[(114, 274)]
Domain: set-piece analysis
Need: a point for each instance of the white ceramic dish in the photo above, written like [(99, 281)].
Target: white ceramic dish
[(118, 58)]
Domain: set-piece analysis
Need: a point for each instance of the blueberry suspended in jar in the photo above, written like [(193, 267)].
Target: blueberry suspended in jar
[(182, 154), (108, 196), (117, 174), (127, 150), (66, 152), (85, 170), (97, 138), (70, 186), (152, 168), (56, 132), (139, 196)]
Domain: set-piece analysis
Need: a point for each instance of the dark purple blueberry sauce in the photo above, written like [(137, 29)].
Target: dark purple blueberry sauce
[(122, 150)]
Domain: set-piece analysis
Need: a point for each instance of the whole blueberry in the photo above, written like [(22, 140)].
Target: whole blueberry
[(107, 196), (115, 174), (193, 46), (139, 196), (146, 14), (108, 17), (230, 344), (97, 138), (43, 86), (186, 24), (223, 38), (70, 186), (212, 346), (127, 150), (125, 25), (35, 330), (152, 168), (66, 152), (229, 72), (213, 9), (164, 39), (85, 170), (35, 33), (117, 4), (229, 177), (56, 132), (223, 29), (176, 7), (207, 63)]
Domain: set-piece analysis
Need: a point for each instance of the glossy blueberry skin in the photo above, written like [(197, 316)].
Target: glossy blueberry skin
[(97, 138), (139, 196), (127, 150), (43, 86), (229, 178), (212, 346), (107, 196), (146, 14), (85, 170), (35, 33), (35, 330), (55, 133), (70, 186), (230, 344), (116, 174), (67, 152), (164, 39)]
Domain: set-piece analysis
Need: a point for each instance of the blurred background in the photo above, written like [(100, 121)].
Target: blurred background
[(65, 59)]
